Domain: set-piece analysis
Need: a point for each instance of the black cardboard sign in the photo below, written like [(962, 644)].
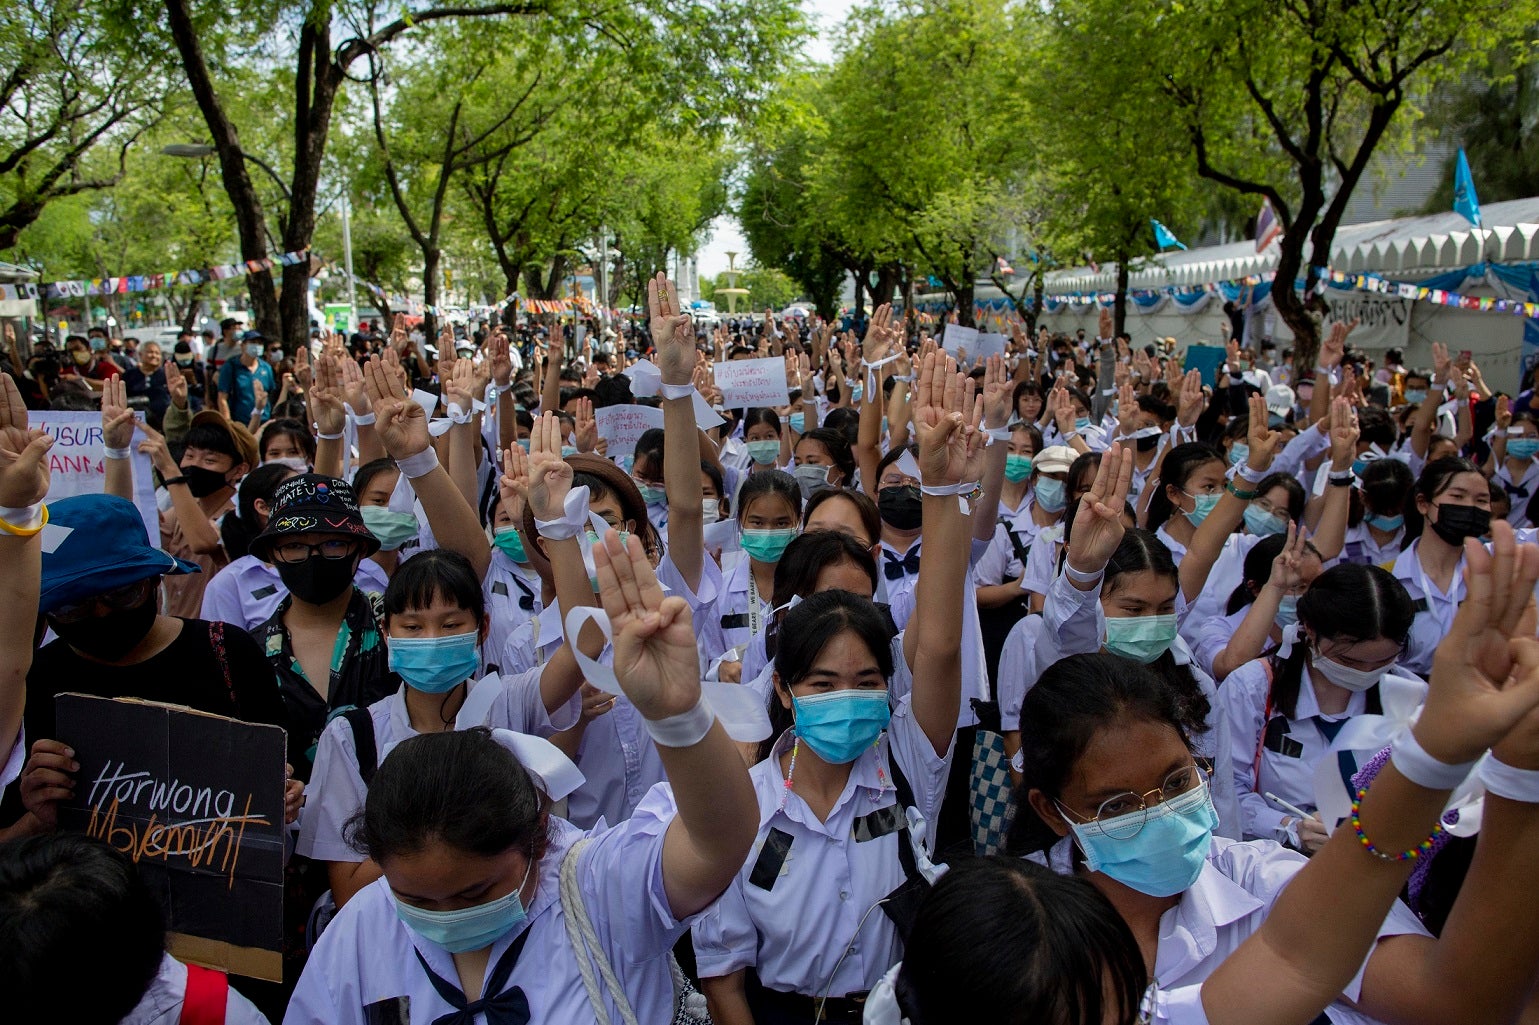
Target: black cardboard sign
[(196, 800)]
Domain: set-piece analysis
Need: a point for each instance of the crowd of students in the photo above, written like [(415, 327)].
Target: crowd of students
[(1057, 686)]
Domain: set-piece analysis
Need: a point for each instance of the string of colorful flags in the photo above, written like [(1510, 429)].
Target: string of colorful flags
[(82, 287)]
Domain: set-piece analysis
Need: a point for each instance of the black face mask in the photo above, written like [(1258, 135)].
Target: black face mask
[(112, 636), (202, 481), (318, 579), (1145, 444), (1456, 522), (901, 507)]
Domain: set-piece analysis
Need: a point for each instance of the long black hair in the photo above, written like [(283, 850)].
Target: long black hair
[(1142, 551), (1348, 601), (1057, 950), (1436, 478), (427, 576), (807, 629), (838, 447), (238, 527), (1060, 716), (1179, 465), (460, 787)]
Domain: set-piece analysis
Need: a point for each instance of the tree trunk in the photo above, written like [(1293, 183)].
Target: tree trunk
[(431, 256), (964, 296), (1120, 306), (1038, 291), (887, 277), (250, 221)]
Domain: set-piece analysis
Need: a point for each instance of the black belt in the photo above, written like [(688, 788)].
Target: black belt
[(848, 1009)]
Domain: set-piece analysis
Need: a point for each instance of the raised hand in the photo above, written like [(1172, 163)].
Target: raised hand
[(513, 485), (499, 358), (301, 366), (587, 426), (350, 377), (1503, 412), (1440, 363), (997, 391), (1098, 526), (399, 420), (879, 335), (947, 415), (1343, 435), (1142, 366), (1334, 347), (460, 388), (655, 658), (671, 331), (154, 446), (117, 418), (176, 385), (1287, 568), (326, 396), (24, 472), (1104, 325), (1485, 674), (1127, 410), (1062, 405), (550, 476), (1263, 441)]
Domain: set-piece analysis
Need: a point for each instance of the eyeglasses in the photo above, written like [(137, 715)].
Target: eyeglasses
[(298, 551), (1122, 816), (128, 596)]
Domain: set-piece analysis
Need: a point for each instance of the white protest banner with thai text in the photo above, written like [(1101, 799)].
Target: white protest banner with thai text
[(622, 426), (77, 463), (960, 339), (746, 383)]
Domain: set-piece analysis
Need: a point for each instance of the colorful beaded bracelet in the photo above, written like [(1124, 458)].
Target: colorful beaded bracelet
[(1362, 837)]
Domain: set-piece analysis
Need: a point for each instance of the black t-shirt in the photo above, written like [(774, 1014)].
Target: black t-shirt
[(187, 672)]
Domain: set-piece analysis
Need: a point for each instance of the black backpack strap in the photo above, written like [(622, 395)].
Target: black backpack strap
[(902, 904), (362, 724), (1021, 550)]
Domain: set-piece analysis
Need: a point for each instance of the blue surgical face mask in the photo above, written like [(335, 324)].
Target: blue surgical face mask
[(1359, 465), (857, 392), (393, 529), (568, 451), (763, 452), (839, 725), (1017, 468), (1140, 638), (651, 494), (523, 443), (766, 545), (435, 665), (1386, 523), (812, 479), (1416, 396), (1288, 610), (1205, 505), (467, 929), (1081, 422), (1238, 453), (1262, 523), (1522, 448), (509, 543), (798, 422), (1051, 495), (255, 351), (1163, 858)]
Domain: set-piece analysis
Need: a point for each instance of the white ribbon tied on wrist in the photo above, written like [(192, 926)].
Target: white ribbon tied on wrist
[(574, 517), (737, 708)]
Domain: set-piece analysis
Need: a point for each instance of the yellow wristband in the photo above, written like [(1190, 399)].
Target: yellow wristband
[(11, 528)]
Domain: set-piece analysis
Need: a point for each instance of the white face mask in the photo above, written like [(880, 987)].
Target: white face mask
[(294, 463), (1356, 680), (710, 508)]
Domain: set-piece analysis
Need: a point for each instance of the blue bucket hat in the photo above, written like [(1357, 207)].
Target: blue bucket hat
[(96, 543)]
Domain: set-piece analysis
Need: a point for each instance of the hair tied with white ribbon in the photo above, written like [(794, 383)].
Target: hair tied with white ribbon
[(742, 715), (553, 772)]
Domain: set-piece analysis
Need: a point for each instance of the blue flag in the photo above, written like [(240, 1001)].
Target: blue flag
[(1466, 203), (1162, 236)]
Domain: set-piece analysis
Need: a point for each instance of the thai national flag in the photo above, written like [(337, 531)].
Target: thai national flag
[(1267, 226)]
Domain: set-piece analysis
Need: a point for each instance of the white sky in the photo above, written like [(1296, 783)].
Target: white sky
[(725, 235)]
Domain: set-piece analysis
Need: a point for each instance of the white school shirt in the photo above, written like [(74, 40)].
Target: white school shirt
[(732, 606), (513, 597), (1435, 610), (1077, 624), (1177, 549), (1520, 492), (16, 759), (1304, 446), (366, 955), (1036, 642), (1359, 546), (1000, 562), (336, 790), (162, 1001), (248, 591), (1290, 774), (1232, 896), (1207, 637), (1228, 572), (900, 590), (1042, 560), (793, 933)]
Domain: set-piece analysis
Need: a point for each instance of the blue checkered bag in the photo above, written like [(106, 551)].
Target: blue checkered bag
[(991, 793)]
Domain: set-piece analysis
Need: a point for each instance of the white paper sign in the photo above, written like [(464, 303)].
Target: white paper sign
[(645, 378), (958, 338), (622, 426), (989, 344), (746, 383), (77, 463), (706, 418)]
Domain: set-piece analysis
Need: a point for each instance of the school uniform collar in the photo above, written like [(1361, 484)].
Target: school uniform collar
[(1308, 707), (1408, 569), (868, 772)]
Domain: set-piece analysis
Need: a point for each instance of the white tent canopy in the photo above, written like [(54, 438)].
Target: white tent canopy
[(1406, 247)]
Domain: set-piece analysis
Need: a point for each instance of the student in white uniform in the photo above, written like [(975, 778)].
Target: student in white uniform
[(1453, 502), (769, 506), (435, 619), (1378, 538), (248, 591), (823, 460), (1277, 572), (1190, 482), (1245, 922), (803, 919), (480, 887), (766, 445), (69, 903), (515, 592), (1285, 709), (1517, 471)]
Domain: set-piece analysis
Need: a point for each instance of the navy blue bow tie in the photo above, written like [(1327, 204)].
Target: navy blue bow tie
[(1515, 489), (510, 1008), (899, 566)]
